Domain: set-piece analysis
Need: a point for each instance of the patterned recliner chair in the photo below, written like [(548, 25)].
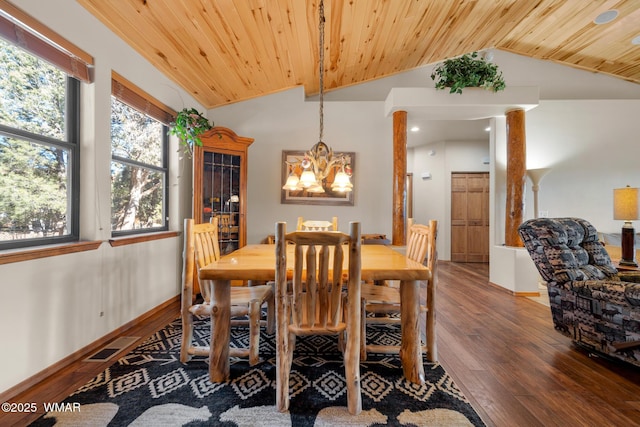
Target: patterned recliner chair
[(591, 302)]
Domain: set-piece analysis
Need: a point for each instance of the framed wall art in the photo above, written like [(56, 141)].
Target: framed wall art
[(292, 164)]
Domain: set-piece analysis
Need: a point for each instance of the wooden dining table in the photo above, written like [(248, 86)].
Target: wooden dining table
[(378, 262)]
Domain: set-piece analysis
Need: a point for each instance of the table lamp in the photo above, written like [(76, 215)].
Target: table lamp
[(625, 208)]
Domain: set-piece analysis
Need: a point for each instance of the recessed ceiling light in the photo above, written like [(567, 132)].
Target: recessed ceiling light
[(606, 17), (488, 128), (635, 40), (415, 129)]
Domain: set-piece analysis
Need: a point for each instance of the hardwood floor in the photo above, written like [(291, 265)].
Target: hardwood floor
[(501, 350), (516, 370)]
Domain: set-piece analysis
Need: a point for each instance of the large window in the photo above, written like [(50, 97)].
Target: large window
[(39, 128), (138, 162), (40, 75)]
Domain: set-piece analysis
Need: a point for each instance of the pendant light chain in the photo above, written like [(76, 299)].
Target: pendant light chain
[(320, 162), (321, 31)]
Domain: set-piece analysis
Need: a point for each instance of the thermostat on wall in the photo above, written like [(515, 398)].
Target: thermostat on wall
[(425, 175)]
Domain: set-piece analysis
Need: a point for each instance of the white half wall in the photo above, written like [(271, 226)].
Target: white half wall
[(512, 269)]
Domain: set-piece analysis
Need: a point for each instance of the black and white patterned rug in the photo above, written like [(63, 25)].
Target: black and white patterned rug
[(150, 387)]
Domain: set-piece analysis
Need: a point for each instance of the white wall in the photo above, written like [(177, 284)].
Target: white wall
[(284, 121), (592, 147), (432, 197), (55, 306)]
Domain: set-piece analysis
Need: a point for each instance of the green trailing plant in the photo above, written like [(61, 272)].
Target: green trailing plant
[(188, 127), (468, 70)]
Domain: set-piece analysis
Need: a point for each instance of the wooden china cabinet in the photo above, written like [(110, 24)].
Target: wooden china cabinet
[(220, 185)]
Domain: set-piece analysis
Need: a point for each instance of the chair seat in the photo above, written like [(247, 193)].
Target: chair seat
[(380, 294), (247, 294), (240, 300)]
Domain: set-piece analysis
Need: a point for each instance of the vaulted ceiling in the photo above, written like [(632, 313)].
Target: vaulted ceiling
[(224, 51)]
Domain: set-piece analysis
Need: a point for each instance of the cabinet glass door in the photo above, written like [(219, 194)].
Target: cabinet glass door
[(221, 197)]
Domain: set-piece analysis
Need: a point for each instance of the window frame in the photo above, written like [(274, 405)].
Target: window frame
[(72, 143), (133, 97)]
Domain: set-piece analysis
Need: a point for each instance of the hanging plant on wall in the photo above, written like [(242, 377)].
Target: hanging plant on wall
[(468, 70), (188, 127)]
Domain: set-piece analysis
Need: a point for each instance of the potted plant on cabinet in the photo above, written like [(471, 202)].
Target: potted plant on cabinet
[(468, 70), (188, 127)]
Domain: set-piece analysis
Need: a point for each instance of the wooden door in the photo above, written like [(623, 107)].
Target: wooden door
[(470, 217)]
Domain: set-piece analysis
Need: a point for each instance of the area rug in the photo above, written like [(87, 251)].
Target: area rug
[(150, 387)]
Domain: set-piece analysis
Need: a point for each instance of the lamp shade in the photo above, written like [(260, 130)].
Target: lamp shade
[(315, 188), (625, 204), (536, 175), (292, 183), (308, 179), (342, 183)]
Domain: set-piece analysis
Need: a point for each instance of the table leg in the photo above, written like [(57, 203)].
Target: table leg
[(284, 348), (432, 350), (411, 348), (220, 332)]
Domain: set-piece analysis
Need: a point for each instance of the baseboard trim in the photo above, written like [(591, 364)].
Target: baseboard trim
[(527, 294), (82, 353), (514, 293)]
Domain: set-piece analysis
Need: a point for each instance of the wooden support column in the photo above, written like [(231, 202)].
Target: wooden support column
[(399, 176), (516, 176)]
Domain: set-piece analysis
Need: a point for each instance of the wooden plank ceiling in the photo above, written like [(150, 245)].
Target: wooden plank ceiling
[(224, 51)]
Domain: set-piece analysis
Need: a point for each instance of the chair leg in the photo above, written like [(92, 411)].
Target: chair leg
[(271, 315), (363, 330), (342, 337), (352, 376), (254, 331), (282, 353), (283, 370), (187, 337)]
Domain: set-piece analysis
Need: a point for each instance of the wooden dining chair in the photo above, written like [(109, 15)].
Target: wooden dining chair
[(318, 302), (201, 248), (317, 225), (383, 300)]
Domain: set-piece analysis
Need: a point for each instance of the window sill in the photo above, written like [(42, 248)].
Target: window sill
[(130, 240), (19, 255), (48, 251)]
